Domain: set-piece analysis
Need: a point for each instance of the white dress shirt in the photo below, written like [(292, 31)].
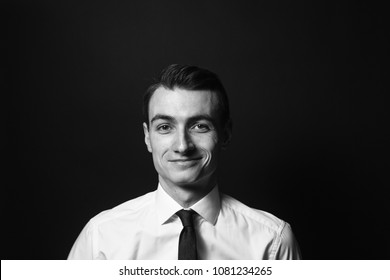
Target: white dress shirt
[(148, 228)]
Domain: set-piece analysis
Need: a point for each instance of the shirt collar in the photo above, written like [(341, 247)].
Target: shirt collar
[(208, 207)]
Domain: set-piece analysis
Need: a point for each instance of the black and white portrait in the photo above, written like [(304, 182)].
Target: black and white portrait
[(265, 122)]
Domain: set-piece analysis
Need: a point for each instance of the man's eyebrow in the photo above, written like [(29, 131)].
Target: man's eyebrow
[(205, 117), (162, 117), (192, 119)]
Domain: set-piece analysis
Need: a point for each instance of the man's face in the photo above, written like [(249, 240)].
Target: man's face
[(183, 136)]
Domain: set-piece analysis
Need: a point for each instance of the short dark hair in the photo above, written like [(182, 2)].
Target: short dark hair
[(190, 78)]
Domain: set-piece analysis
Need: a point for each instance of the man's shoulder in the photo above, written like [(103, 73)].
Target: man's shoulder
[(252, 215), (128, 209)]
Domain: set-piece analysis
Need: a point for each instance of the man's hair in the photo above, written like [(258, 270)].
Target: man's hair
[(189, 78)]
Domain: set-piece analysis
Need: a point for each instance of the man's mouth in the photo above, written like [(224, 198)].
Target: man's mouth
[(184, 159)]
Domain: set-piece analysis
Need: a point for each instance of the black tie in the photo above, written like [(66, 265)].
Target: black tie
[(187, 241)]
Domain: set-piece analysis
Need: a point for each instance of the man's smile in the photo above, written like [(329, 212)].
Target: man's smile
[(184, 159), (185, 162)]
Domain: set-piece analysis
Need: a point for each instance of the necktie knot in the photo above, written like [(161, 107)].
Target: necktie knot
[(186, 217)]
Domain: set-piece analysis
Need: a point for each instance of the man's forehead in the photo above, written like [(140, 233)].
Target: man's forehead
[(183, 103)]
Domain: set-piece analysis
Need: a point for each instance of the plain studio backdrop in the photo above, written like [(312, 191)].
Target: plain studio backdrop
[(306, 86)]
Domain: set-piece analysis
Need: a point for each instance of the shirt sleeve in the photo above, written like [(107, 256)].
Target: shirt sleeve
[(286, 246), (83, 248)]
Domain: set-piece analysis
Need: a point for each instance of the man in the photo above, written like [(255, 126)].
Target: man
[(187, 124)]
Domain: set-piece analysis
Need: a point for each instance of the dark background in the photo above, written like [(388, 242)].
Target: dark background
[(307, 88)]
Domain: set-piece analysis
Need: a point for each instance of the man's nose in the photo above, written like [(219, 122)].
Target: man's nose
[(183, 142)]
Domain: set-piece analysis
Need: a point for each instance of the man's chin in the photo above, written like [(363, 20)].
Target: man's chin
[(190, 181), (185, 180), (189, 178)]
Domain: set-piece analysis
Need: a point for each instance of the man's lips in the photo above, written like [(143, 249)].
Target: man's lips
[(184, 160), (184, 163)]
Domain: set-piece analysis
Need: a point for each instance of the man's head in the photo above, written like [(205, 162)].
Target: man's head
[(186, 123), (190, 78)]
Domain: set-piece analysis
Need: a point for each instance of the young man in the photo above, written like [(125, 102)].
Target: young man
[(187, 124)]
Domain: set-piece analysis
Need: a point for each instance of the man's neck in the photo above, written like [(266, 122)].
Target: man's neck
[(188, 195)]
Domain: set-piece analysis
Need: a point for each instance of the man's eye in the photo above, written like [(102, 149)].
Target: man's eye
[(164, 128), (201, 127)]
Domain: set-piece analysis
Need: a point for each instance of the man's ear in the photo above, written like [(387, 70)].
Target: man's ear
[(227, 134), (147, 138)]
